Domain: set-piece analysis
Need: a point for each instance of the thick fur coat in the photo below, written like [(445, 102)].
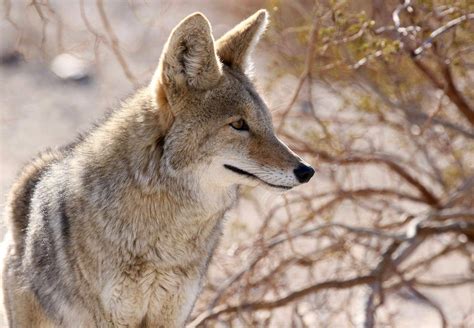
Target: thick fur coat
[(117, 229)]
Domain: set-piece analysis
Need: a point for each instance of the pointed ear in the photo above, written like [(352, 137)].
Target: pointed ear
[(234, 47), (189, 60)]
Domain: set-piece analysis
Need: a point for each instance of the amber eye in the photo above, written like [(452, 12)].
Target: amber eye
[(240, 125)]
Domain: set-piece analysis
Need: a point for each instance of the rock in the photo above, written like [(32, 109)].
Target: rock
[(69, 67), (10, 58), (9, 55)]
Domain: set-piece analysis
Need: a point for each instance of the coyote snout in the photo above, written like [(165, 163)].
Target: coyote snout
[(272, 164)]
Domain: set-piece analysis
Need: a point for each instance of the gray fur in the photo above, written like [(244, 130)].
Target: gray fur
[(117, 230)]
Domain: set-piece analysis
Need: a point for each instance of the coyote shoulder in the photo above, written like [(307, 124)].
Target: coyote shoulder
[(118, 228)]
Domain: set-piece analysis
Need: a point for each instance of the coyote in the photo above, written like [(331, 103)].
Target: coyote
[(118, 228)]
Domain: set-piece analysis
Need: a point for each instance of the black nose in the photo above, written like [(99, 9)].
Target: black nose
[(304, 173)]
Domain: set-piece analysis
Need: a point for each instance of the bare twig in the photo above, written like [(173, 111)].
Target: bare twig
[(439, 31), (436, 307), (266, 305), (7, 5), (304, 75), (114, 43)]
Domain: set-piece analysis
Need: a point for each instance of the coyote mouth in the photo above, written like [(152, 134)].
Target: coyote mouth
[(253, 176)]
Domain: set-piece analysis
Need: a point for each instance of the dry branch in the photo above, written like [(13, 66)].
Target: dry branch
[(115, 44)]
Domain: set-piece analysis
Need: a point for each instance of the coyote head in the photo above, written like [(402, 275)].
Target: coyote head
[(218, 124)]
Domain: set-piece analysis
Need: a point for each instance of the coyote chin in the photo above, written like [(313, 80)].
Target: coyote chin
[(118, 228)]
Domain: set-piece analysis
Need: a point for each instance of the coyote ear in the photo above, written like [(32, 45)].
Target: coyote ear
[(188, 60), (234, 47)]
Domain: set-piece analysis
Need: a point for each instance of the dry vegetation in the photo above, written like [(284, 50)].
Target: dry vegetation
[(393, 201), (396, 159)]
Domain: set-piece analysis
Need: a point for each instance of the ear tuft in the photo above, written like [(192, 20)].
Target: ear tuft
[(234, 47), (189, 60), (262, 16)]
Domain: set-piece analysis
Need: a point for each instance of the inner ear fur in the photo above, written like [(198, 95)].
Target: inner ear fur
[(188, 61), (235, 46)]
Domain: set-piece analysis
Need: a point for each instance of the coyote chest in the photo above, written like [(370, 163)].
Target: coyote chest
[(142, 293), (164, 278)]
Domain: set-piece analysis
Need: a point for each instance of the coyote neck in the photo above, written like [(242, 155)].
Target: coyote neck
[(142, 207), (178, 217)]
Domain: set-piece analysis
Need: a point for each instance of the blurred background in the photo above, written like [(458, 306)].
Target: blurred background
[(377, 95)]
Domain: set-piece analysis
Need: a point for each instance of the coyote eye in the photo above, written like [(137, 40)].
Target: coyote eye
[(240, 125)]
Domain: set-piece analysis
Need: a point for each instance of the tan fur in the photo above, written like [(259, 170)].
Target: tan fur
[(21, 192), (117, 230), (235, 46)]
